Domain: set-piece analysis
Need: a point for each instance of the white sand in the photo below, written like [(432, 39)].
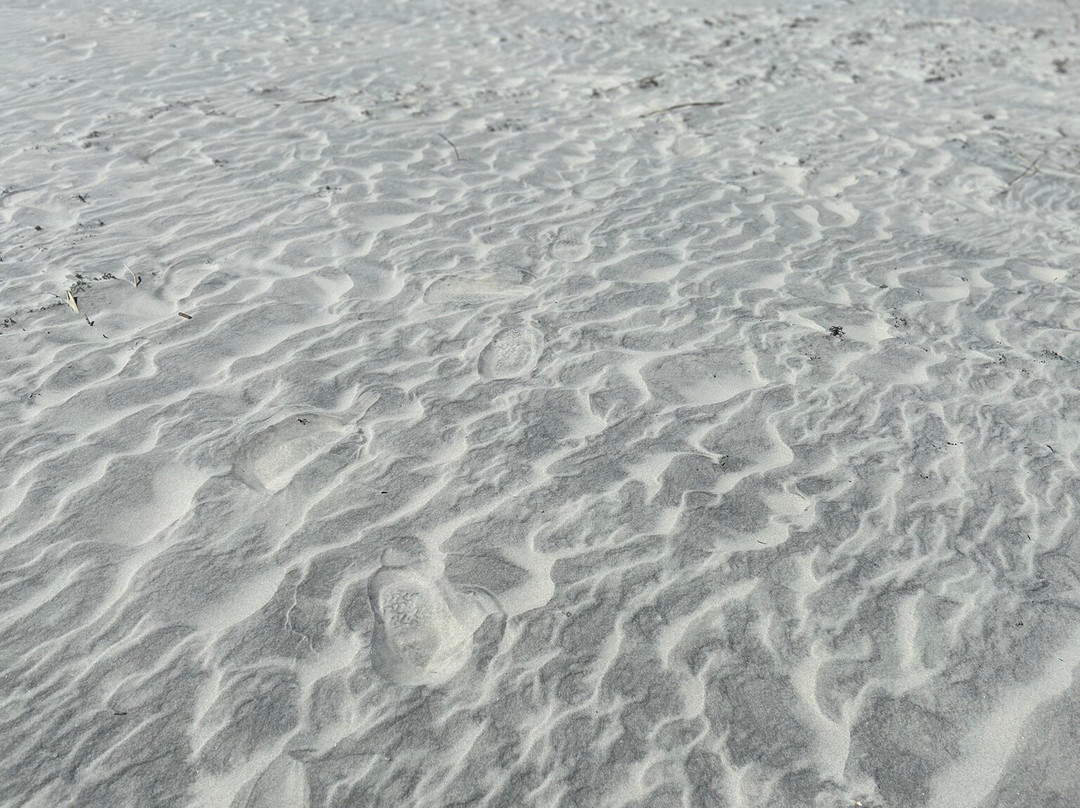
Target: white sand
[(539, 404)]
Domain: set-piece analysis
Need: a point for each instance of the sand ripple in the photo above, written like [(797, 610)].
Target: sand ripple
[(556, 404)]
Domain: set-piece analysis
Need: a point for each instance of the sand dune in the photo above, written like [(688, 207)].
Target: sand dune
[(516, 404)]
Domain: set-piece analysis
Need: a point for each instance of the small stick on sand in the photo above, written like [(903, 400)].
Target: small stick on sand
[(135, 279), (684, 106), (1031, 169), (322, 100), (184, 314), (452, 146)]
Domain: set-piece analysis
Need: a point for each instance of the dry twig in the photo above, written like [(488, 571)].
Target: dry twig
[(135, 279), (452, 146), (684, 106), (1031, 168)]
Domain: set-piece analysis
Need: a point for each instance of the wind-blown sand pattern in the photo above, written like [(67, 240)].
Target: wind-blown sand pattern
[(690, 399), (284, 783)]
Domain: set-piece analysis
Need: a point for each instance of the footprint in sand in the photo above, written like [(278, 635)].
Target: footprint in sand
[(272, 458), (571, 243), (688, 146), (453, 289), (284, 784), (596, 189), (424, 630), (512, 352)]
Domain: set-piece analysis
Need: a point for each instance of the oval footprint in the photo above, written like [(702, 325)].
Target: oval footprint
[(272, 458), (572, 243), (423, 631), (512, 352), (453, 289)]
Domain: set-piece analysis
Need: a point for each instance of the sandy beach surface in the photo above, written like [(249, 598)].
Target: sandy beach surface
[(557, 404)]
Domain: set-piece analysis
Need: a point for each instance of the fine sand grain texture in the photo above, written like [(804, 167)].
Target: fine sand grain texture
[(569, 404)]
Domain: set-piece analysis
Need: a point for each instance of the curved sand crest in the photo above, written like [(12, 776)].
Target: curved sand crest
[(423, 631), (272, 458), (283, 784), (512, 352)]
